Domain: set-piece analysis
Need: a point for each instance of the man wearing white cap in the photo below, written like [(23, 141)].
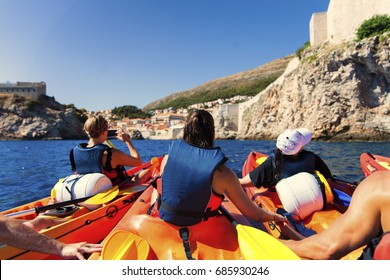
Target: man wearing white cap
[(289, 159)]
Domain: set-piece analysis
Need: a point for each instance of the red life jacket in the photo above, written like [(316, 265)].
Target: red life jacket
[(382, 250)]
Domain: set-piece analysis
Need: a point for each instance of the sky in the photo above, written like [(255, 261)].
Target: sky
[(102, 54)]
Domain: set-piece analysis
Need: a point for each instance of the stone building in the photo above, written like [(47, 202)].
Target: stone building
[(226, 116), (343, 18), (28, 89)]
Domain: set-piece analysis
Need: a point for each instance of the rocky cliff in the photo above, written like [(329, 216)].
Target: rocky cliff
[(339, 92), (24, 118)]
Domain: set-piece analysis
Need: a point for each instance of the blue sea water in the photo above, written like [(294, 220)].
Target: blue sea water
[(29, 169)]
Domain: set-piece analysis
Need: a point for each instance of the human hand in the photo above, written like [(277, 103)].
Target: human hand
[(76, 250), (121, 135), (280, 219)]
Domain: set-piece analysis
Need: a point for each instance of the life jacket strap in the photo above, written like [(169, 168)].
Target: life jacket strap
[(72, 162), (184, 234), (73, 182)]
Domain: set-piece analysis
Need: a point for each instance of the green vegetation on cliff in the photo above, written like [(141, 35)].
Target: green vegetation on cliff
[(375, 25), (129, 111), (246, 83), (225, 92)]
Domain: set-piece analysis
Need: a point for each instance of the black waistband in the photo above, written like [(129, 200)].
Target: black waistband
[(192, 214)]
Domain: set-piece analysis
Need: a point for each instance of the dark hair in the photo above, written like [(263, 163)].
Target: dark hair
[(278, 162), (199, 130)]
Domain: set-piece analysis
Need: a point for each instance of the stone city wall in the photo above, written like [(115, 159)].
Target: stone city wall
[(343, 18)]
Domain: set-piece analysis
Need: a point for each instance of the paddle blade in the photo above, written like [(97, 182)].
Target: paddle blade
[(258, 245), (124, 245), (132, 189), (103, 197), (53, 193)]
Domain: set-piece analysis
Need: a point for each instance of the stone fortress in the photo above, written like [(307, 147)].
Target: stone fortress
[(29, 89), (342, 19)]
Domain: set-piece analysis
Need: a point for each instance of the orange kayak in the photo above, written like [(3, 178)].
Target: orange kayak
[(142, 235), (81, 224), (296, 229), (371, 163)]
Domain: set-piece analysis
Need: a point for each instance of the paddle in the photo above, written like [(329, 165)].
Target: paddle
[(110, 143), (132, 189), (256, 244), (100, 198), (124, 245)]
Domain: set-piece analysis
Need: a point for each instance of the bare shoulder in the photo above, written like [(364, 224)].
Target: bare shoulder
[(372, 199), (378, 182), (223, 173), (223, 178)]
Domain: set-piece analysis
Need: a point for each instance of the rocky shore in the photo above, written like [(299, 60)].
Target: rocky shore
[(45, 118)]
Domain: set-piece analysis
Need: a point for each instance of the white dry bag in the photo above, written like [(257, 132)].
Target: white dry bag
[(300, 194), (79, 186)]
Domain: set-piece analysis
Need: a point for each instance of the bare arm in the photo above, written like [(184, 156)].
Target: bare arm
[(225, 181), (245, 181), (16, 234), (356, 227)]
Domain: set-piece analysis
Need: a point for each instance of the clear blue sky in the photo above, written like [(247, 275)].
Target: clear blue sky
[(101, 54)]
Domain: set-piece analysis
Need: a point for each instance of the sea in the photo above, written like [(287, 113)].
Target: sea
[(30, 169)]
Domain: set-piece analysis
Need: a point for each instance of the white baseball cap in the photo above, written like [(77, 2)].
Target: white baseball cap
[(291, 141)]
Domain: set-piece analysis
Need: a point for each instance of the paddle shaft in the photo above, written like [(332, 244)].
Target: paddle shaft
[(228, 215), (40, 209)]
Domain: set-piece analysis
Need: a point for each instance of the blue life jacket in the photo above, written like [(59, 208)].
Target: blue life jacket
[(304, 162), (87, 160), (186, 183)]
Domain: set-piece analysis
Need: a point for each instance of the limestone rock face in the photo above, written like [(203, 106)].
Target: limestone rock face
[(339, 92), (23, 118)]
